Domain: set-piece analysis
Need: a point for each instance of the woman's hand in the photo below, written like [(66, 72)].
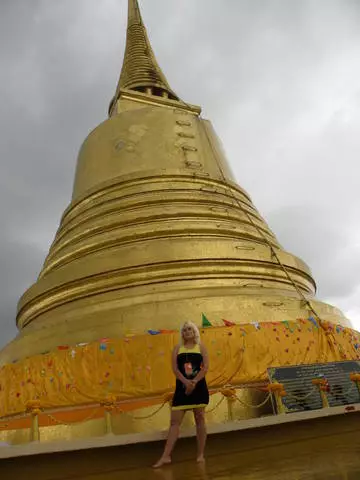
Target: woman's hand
[(189, 386), (187, 382), (189, 389)]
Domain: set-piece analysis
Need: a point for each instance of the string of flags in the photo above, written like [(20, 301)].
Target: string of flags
[(291, 327), (205, 323)]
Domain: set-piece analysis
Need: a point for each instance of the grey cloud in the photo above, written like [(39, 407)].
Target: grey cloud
[(19, 263), (320, 238)]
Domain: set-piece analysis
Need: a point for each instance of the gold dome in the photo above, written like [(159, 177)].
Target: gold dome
[(158, 231)]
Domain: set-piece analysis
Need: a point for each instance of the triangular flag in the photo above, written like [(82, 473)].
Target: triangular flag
[(154, 332), (312, 320), (205, 321), (227, 323)]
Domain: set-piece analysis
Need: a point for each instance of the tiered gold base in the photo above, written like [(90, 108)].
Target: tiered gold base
[(145, 421)]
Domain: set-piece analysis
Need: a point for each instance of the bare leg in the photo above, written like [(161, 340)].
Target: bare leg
[(199, 416), (174, 430)]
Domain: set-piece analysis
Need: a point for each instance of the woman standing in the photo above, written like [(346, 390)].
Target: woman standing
[(190, 364)]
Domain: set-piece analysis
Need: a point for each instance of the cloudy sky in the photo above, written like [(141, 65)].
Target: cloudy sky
[(280, 80)]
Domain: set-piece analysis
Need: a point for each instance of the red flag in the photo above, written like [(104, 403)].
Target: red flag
[(227, 323), (104, 340)]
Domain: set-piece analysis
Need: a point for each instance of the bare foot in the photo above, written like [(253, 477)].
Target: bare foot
[(200, 459), (163, 461)]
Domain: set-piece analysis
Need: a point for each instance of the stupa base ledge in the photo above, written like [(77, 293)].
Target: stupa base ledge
[(112, 440)]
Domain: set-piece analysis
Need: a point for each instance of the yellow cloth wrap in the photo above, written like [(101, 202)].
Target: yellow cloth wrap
[(137, 368)]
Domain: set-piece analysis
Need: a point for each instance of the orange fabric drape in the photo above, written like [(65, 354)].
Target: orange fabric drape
[(139, 367)]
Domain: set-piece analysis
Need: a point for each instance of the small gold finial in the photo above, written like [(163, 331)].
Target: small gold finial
[(140, 70)]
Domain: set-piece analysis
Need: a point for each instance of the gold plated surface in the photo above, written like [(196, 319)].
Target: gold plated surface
[(325, 449), (145, 420), (158, 231), (140, 69)]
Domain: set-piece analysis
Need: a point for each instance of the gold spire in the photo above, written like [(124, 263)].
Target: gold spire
[(140, 70)]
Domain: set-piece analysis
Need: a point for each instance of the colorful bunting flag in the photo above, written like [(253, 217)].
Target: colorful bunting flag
[(205, 321), (154, 332), (227, 323), (313, 321)]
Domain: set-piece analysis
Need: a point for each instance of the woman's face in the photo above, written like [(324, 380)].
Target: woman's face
[(188, 332)]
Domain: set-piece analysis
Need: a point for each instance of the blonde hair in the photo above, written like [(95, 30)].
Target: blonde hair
[(195, 330)]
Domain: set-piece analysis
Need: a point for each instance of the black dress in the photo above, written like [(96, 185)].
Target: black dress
[(189, 362)]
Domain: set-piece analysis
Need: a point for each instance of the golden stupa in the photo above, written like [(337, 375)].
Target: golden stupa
[(157, 232)]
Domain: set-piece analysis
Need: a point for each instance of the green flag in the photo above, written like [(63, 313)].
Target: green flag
[(205, 321)]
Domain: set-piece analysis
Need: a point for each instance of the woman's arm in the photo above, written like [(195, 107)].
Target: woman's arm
[(176, 371), (205, 368)]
